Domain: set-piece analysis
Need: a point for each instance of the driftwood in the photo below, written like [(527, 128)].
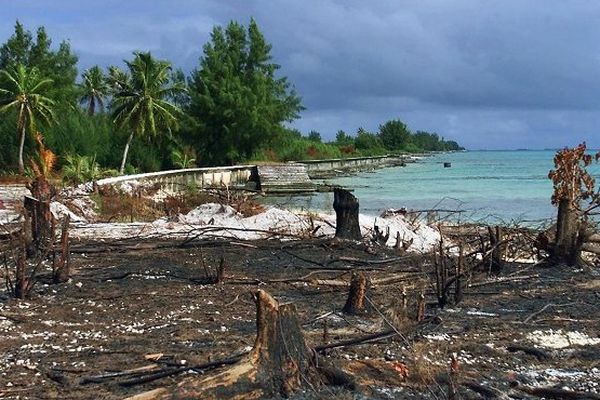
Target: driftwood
[(346, 215)]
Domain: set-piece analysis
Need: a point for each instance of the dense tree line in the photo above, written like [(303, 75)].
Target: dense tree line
[(234, 107)]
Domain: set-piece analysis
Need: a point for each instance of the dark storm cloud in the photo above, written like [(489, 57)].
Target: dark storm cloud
[(497, 74)]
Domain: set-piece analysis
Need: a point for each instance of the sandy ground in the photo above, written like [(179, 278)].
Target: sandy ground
[(124, 304)]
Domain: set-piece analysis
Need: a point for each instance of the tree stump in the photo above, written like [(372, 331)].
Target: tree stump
[(279, 363), (356, 302), (346, 215), (498, 249), (567, 247), (61, 269), (38, 208)]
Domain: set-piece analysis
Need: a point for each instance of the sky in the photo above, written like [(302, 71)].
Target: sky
[(493, 74)]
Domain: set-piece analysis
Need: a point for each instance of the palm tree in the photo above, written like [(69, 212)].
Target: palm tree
[(117, 79), (22, 91), (94, 88), (141, 104)]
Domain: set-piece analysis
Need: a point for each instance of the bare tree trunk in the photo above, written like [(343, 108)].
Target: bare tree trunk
[(21, 147), (356, 302), (124, 160), (38, 208), (92, 106), (498, 249), (21, 287), (346, 212), (62, 267), (566, 249)]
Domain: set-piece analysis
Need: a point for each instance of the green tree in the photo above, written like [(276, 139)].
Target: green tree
[(117, 80), (314, 136), (23, 91), (142, 104), (59, 65), (237, 102), (394, 135), (94, 88), (343, 139), (368, 142)]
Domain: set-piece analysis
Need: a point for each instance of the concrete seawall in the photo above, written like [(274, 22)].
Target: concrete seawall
[(202, 178), (285, 177), (327, 168)]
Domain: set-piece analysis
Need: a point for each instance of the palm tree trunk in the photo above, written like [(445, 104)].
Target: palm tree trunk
[(92, 106), (21, 146), (122, 169)]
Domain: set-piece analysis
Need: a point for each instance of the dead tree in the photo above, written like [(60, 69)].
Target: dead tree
[(38, 209), (356, 301), (346, 215), (379, 237), (458, 284), (61, 267), (279, 363), (498, 246), (573, 185)]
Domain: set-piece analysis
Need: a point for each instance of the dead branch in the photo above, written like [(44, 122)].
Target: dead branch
[(547, 306), (540, 354), (556, 393), (358, 341), (488, 392), (503, 280)]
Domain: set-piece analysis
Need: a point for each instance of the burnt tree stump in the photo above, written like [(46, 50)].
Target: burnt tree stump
[(279, 363), (498, 249), (346, 215), (356, 302), (38, 209), (567, 247), (61, 268)]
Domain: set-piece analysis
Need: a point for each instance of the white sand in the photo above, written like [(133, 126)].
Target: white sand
[(215, 220), (559, 339)]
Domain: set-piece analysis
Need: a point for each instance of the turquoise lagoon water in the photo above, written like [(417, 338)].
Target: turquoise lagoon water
[(500, 186)]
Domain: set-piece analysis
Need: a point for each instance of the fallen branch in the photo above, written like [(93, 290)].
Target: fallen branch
[(556, 393), (177, 370), (358, 341), (366, 261), (547, 306), (487, 392), (503, 280), (540, 354)]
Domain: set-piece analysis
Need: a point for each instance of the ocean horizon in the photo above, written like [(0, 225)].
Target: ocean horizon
[(491, 186)]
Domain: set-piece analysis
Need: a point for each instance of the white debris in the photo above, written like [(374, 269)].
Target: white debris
[(560, 339), (216, 220), (481, 313), (60, 211), (440, 337)]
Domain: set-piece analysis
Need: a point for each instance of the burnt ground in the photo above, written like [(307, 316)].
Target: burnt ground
[(125, 308)]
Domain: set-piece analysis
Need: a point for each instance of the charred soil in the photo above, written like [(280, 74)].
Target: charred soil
[(131, 311)]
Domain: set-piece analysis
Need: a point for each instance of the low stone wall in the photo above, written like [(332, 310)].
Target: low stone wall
[(327, 168), (175, 180), (290, 177)]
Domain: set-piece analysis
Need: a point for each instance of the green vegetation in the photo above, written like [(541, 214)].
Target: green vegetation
[(237, 105), (23, 92), (142, 104), (233, 108)]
